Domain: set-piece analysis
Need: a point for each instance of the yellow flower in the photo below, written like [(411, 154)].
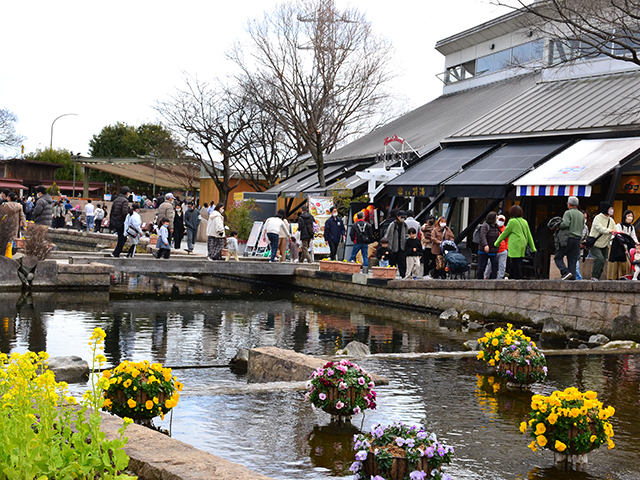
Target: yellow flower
[(542, 440), (132, 403), (591, 395), (127, 383), (593, 438), (559, 446), (540, 429), (149, 404), (523, 427), (495, 342), (532, 446), (106, 374), (610, 444), (107, 403), (179, 386), (480, 356), (552, 418)]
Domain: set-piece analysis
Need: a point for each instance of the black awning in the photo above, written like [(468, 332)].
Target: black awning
[(491, 176), (289, 182), (423, 179)]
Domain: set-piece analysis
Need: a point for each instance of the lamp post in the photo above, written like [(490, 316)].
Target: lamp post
[(54, 121)]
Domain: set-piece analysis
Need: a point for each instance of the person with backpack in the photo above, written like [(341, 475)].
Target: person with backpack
[(487, 251), (397, 234), (305, 227), (361, 236)]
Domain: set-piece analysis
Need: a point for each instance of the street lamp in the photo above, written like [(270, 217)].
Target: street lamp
[(51, 139)]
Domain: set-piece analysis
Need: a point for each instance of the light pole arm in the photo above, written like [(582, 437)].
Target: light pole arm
[(54, 121)]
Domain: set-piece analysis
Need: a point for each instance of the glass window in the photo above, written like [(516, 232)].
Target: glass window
[(522, 54), (484, 65), (502, 60), (537, 49)]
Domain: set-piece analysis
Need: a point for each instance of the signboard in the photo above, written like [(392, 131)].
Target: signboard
[(319, 208), (253, 236), (106, 197), (407, 191)]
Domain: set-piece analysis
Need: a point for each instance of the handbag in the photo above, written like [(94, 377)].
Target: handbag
[(440, 262), (132, 232), (590, 241)]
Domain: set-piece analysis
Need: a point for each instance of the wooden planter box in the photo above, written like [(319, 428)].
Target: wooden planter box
[(348, 267), (141, 399), (516, 369), (399, 468), (388, 273), (349, 395)]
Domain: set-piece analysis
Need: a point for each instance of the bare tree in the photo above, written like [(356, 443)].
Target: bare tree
[(186, 174), (8, 136), (583, 29), (211, 125), (318, 71)]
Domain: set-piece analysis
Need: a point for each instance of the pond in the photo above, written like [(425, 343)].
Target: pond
[(281, 436)]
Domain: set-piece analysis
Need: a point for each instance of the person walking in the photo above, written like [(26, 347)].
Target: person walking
[(271, 231), (440, 233), (573, 221), (163, 245), (397, 234), (283, 236), (43, 210), (98, 217), (133, 229), (305, 227), (502, 254), (178, 227), (487, 251), (167, 210), (361, 235), (428, 259), (519, 235), (232, 246), (13, 209), (602, 228), (215, 233), (334, 232), (89, 214), (119, 212), (192, 222), (617, 269)]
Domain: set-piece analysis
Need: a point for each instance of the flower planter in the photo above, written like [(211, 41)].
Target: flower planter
[(328, 265), (348, 396), (348, 267), (387, 273), (399, 468), (141, 399), (520, 374)]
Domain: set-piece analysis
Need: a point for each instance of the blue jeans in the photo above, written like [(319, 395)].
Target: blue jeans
[(273, 239), (89, 223), (365, 253)]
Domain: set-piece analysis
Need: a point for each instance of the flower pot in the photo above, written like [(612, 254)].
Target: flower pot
[(387, 273), (328, 265), (348, 267), (571, 450), (519, 374), (345, 396), (399, 468), (141, 399)]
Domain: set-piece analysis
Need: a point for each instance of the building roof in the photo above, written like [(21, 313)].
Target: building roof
[(424, 127), (164, 175), (590, 105)]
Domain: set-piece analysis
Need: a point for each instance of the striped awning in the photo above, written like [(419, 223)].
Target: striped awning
[(554, 191), (575, 169)]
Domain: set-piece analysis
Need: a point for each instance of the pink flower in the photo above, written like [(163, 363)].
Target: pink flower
[(330, 372), (322, 396), (339, 404), (343, 386), (371, 384), (361, 381)]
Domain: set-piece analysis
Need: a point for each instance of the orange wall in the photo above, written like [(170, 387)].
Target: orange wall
[(209, 193)]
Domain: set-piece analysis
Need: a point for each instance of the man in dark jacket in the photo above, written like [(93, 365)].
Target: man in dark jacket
[(397, 234), (192, 222), (305, 227), (334, 232), (119, 212), (361, 236), (43, 211)]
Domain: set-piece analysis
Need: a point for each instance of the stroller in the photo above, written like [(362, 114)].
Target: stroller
[(456, 264)]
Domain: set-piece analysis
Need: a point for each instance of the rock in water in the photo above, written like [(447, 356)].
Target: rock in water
[(598, 339), (357, 349), (240, 361), (450, 314), (553, 331), (69, 369)]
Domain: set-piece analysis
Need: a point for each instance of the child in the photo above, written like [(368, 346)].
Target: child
[(294, 248), (232, 246), (383, 253), (413, 249), (164, 248)]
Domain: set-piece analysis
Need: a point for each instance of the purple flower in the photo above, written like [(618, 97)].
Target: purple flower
[(441, 451), (513, 347), (377, 477), (355, 467), (322, 396), (417, 475), (422, 435), (361, 455), (378, 432), (409, 442), (429, 452), (361, 381), (399, 441), (544, 369)]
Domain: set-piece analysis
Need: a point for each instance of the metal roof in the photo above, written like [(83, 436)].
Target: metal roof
[(424, 127), (600, 104)]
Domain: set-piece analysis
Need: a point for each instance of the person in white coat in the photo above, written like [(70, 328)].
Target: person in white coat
[(133, 229), (273, 226), (215, 233)]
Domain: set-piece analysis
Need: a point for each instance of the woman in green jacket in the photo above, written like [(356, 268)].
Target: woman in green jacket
[(519, 235)]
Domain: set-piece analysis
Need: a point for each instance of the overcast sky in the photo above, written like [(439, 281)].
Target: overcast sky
[(111, 61)]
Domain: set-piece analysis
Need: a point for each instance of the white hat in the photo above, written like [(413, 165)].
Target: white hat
[(169, 195)]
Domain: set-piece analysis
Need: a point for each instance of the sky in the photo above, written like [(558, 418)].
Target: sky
[(110, 62)]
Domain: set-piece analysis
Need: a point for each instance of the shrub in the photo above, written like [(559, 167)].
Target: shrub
[(239, 218)]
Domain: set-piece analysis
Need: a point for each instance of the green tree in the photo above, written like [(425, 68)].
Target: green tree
[(61, 156)]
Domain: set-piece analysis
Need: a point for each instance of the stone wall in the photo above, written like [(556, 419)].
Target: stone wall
[(586, 306), (81, 241)]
